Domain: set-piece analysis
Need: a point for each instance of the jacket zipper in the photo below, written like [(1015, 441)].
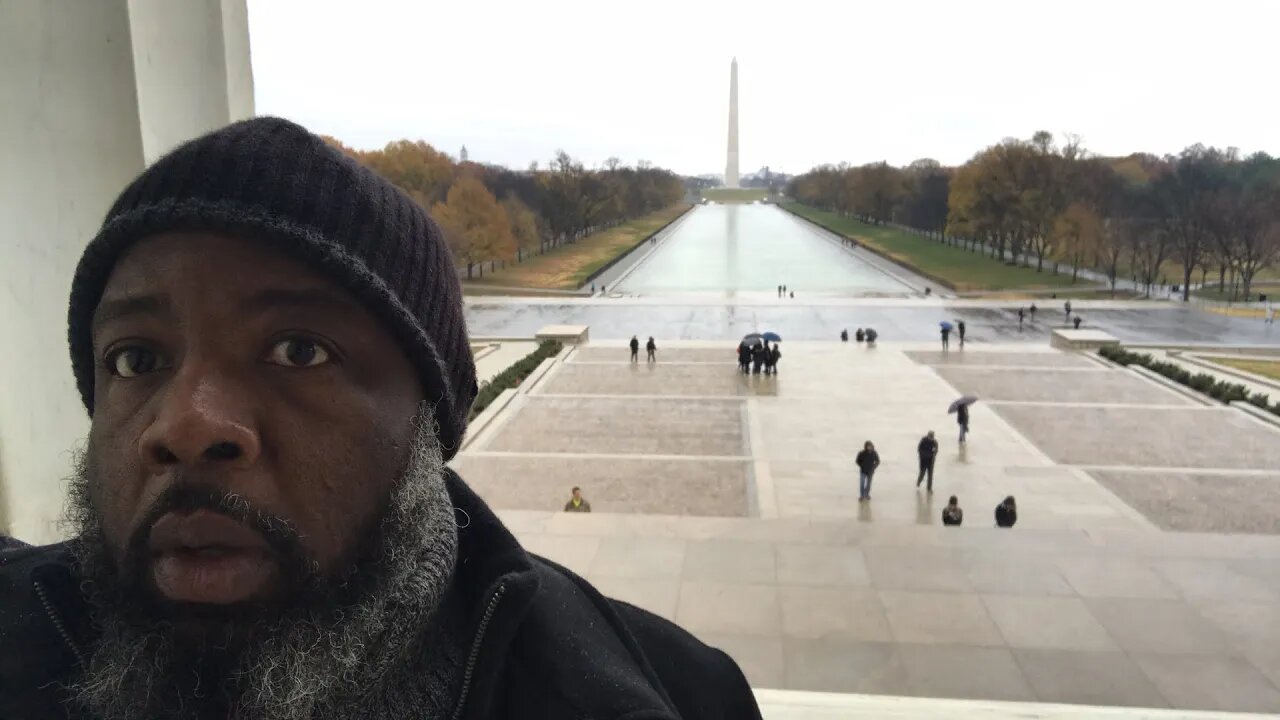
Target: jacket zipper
[(475, 649), (57, 623)]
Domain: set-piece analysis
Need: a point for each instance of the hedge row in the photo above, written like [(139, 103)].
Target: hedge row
[(512, 376), (1201, 382)]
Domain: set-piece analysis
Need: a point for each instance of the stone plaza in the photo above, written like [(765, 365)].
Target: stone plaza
[(1144, 569)]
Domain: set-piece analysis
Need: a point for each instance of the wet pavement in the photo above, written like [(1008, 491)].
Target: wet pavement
[(907, 321)]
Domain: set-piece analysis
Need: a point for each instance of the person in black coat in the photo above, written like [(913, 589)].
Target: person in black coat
[(844, 335), (860, 335), (952, 515), (1006, 513), (960, 331), (946, 336), (651, 350), (744, 357), (757, 359), (962, 419), (775, 354), (635, 349), (264, 523), (928, 452), (867, 461)]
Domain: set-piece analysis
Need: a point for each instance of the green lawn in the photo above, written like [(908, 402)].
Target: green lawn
[(1271, 289), (962, 269), (735, 195), (568, 266), (1265, 368)]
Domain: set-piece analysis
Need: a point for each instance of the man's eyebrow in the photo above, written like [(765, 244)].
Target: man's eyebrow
[(110, 310), (300, 299)]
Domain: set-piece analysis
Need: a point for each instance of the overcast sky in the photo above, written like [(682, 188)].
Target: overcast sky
[(819, 81)]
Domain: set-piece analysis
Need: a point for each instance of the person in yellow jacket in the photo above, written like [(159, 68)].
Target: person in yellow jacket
[(577, 503)]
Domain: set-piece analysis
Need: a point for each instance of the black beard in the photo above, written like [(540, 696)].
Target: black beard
[(313, 653)]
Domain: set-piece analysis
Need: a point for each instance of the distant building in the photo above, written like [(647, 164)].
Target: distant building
[(462, 156)]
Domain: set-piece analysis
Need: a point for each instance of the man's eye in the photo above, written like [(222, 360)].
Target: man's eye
[(298, 353), (132, 361)]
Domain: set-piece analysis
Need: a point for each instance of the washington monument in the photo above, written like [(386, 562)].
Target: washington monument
[(731, 163)]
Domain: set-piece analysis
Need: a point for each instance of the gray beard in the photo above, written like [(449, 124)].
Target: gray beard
[(318, 662)]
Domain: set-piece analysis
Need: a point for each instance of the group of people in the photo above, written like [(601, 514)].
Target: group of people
[(650, 350), (946, 334), (783, 292), (1006, 513), (868, 335), (753, 357)]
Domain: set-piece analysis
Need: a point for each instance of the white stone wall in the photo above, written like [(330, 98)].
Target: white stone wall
[(91, 91)]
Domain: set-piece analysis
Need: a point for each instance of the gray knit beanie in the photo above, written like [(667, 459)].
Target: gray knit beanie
[(272, 181)]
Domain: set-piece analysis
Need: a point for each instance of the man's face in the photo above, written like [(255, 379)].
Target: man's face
[(577, 494), (227, 372)]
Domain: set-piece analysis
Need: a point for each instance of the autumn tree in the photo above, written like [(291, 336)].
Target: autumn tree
[(524, 225), (475, 225)]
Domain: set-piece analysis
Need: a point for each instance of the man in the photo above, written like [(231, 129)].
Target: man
[(635, 349), (960, 331), (952, 515), (962, 419), (744, 357), (1067, 307), (651, 350), (1021, 316), (1007, 513), (867, 461), (757, 359), (270, 342), (1033, 312), (1076, 321), (577, 503), (946, 336), (774, 356), (928, 452)]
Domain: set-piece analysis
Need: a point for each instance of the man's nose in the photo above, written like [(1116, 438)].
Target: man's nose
[(204, 417)]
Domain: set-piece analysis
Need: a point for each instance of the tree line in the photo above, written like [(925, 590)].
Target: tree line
[(1205, 210), (491, 213)]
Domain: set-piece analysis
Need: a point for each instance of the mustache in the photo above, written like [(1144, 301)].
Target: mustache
[(186, 496)]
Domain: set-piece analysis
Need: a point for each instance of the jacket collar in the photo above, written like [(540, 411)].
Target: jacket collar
[(507, 592)]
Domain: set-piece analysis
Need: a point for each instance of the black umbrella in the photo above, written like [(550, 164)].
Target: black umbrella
[(964, 401), (753, 339)]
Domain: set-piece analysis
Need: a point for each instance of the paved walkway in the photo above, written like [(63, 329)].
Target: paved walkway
[(728, 504), (497, 356), (812, 317)]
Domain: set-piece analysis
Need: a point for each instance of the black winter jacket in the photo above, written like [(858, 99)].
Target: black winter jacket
[(868, 461), (545, 643)]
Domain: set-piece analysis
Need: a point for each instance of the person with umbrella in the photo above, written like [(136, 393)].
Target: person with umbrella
[(868, 460), (961, 409), (946, 334), (771, 354)]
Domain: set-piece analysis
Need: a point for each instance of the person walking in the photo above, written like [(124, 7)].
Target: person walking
[(928, 452), (779, 291), (651, 349), (635, 349), (946, 336), (952, 515), (1076, 321), (960, 331), (844, 335), (577, 503), (962, 418), (1067, 307), (868, 460), (793, 294), (1270, 314), (1022, 314), (1033, 312), (1007, 513)]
